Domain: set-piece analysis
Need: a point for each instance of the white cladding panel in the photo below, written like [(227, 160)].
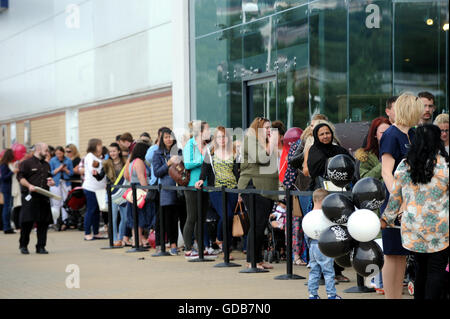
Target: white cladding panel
[(60, 53)]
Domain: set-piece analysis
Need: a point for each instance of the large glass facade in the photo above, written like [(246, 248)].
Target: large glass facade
[(289, 59)]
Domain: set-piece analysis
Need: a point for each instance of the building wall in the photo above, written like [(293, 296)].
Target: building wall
[(58, 54), (50, 129), (138, 115)]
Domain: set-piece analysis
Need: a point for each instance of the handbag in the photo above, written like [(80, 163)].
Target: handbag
[(296, 207), (140, 193), (116, 192), (241, 222), (101, 199), (140, 196), (179, 174), (152, 194)]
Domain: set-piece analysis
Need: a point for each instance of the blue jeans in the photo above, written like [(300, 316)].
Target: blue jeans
[(320, 264), (216, 201), (92, 216), (123, 220), (6, 213)]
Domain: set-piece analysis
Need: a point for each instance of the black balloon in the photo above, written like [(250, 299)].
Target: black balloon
[(344, 261), (337, 208), (367, 258), (340, 170), (335, 241), (368, 193)]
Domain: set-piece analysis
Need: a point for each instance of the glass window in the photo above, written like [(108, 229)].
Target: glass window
[(27, 133), (420, 48), (370, 50), (328, 59), (292, 51), (13, 135)]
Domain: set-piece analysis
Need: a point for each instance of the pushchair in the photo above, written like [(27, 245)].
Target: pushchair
[(275, 245), (75, 205)]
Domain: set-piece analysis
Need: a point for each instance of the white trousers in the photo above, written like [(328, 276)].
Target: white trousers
[(57, 205)]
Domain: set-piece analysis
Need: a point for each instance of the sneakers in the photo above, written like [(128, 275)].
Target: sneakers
[(314, 297), (173, 252), (209, 253), (191, 255), (334, 297)]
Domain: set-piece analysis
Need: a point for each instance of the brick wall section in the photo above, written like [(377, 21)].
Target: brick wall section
[(49, 129), (146, 114)]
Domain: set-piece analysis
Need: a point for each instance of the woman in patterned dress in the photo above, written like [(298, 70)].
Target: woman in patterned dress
[(420, 198)]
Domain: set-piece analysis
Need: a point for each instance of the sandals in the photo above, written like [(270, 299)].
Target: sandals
[(257, 266), (88, 238), (299, 262), (342, 278)]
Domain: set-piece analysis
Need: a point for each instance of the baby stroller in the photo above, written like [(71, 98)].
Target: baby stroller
[(275, 246), (75, 205)]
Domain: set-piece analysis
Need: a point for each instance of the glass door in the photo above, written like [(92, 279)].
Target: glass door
[(259, 98)]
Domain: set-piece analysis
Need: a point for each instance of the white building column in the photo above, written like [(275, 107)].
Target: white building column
[(180, 66)]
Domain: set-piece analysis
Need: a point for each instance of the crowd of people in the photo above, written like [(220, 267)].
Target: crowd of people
[(406, 150)]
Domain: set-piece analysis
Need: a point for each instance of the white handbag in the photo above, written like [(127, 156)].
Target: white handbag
[(101, 199)]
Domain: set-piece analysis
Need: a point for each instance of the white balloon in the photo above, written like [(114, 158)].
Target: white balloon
[(363, 225), (314, 223)]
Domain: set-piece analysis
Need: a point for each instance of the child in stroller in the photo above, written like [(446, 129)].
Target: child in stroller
[(75, 205), (275, 232)]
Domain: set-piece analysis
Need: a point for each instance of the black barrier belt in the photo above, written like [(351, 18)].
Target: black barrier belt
[(230, 190)]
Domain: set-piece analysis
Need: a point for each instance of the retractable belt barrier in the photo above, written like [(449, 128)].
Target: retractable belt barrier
[(252, 216)]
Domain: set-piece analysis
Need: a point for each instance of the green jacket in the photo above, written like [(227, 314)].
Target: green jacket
[(370, 166), (259, 167)]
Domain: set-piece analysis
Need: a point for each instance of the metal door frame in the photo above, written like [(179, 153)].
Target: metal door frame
[(247, 83)]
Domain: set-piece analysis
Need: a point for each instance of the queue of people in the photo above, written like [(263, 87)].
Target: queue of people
[(404, 150)]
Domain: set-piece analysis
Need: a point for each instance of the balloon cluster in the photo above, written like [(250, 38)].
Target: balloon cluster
[(19, 151), (346, 228)]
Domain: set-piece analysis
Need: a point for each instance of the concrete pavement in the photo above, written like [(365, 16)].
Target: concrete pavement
[(117, 274)]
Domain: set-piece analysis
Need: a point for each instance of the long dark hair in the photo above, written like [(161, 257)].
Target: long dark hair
[(421, 157), (372, 142), (139, 151), (8, 157), (162, 146), (116, 145)]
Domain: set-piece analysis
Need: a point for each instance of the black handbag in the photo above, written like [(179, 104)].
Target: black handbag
[(152, 195)]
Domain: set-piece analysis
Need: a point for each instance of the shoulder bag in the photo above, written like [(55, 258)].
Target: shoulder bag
[(140, 193), (241, 223)]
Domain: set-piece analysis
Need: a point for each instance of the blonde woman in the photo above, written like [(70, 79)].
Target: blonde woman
[(259, 170), (442, 121), (74, 155), (394, 145)]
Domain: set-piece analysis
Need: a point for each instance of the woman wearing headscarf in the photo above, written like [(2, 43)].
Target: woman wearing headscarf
[(319, 153)]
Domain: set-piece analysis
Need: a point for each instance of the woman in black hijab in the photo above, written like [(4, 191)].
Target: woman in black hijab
[(319, 153)]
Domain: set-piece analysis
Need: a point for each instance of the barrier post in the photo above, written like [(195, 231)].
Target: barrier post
[(360, 288), (252, 231), (289, 275), (162, 237), (200, 233), (110, 219), (136, 223), (225, 227)]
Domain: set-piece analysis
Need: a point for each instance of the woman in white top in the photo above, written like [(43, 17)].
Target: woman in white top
[(92, 162)]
